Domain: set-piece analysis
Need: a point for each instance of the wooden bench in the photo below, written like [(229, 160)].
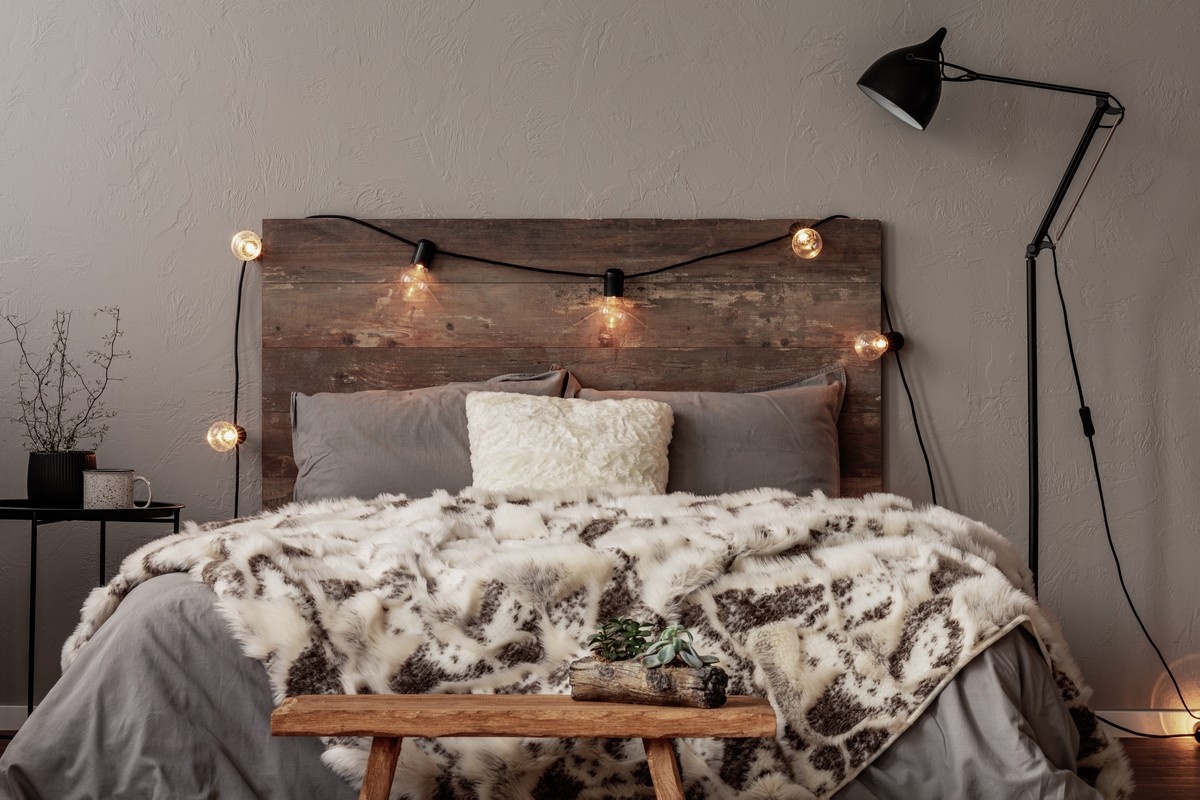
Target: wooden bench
[(389, 718)]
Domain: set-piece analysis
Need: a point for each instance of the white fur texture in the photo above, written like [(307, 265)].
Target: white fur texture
[(849, 615), (539, 443)]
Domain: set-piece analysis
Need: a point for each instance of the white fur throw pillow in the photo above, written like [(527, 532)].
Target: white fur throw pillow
[(526, 442)]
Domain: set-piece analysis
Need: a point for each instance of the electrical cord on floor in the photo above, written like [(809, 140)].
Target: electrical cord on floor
[(912, 407), (1089, 430)]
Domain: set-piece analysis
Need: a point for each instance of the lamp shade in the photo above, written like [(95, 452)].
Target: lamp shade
[(908, 88)]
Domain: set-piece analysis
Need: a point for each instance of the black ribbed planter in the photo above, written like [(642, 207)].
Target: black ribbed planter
[(55, 480)]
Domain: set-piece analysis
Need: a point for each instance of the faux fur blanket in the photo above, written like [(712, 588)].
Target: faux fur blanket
[(850, 615)]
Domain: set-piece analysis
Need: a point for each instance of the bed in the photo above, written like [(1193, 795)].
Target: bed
[(899, 644)]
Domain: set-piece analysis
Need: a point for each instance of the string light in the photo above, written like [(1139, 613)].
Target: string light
[(224, 436), (415, 279), (612, 308), (807, 243), (871, 345), (247, 245)]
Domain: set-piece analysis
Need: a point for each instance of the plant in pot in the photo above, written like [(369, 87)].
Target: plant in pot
[(627, 668), (59, 406)]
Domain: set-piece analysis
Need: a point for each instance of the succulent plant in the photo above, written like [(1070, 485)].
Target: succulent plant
[(620, 639), (675, 643)]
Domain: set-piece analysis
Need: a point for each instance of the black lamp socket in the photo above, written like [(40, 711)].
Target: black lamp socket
[(424, 253), (614, 283)]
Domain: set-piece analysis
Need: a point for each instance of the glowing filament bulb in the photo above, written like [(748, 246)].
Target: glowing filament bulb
[(612, 312), (415, 281), (871, 345), (224, 436), (247, 245), (806, 243)]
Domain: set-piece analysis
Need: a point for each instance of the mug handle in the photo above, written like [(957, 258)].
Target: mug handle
[(149, 493)]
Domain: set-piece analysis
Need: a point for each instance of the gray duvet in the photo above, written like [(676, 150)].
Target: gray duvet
[(162, 704)]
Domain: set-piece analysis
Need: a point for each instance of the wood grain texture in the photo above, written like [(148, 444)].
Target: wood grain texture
[(630, 682), (664, 769), (555, 716), (1164, 768), (334, 319), (335, 251), (381, 768)]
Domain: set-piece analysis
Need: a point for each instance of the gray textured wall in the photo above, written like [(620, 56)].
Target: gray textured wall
[(137, 135)]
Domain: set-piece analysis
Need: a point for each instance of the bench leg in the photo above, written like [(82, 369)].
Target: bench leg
[(381, 768), (664, 770)]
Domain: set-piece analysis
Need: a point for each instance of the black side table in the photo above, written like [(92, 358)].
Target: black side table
[(20, 509)]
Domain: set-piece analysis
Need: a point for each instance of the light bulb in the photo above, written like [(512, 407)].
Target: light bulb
[(806, 243), (247, 245), (224, 436), (613, 313), (871, 345), (415, 281)]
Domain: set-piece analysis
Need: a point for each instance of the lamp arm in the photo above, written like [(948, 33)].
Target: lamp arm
[(1106, 105), (971, 75), (1041, 239)]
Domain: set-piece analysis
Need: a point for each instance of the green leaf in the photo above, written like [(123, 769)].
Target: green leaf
[(667, 654), (709, 659), (690, 659)]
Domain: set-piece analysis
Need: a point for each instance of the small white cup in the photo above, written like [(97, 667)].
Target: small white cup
[(112, 488)]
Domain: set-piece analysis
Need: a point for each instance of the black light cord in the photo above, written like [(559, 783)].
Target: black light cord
[(1143, 735), (237, 390), (912, 407), (572, 273), (1089, 430)]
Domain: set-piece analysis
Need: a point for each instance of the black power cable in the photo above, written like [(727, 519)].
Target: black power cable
[(237, 390), (912, 407), (1089, 430), (572, 273)]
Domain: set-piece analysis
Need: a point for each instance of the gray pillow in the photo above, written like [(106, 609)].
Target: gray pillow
[(361, 444), (783, 436)]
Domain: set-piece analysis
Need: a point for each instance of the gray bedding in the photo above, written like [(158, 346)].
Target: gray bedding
[(162, 704)]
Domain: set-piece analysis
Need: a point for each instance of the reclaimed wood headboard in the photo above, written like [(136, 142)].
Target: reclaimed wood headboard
[(334, 319)]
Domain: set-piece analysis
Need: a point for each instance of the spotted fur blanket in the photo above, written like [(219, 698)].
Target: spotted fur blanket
[(850, 615)]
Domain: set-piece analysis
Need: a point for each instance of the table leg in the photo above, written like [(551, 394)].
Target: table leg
[(381, 768), (102, 536), (177, 520), (33, 531), (664, 770)]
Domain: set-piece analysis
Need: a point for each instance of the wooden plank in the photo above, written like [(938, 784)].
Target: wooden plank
[(287, 370), (536, 715), (381, 768), (1164, 768), (665, 314), (277, 491), (664, 769), (851, 487), (744, 320), (334, 251)]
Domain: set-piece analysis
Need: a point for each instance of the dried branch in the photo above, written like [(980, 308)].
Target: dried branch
[(47, 389)]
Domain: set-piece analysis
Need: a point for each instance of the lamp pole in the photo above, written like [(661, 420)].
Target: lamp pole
[(907, 82)]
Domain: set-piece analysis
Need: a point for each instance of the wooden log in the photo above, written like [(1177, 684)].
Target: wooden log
[(630, 682)]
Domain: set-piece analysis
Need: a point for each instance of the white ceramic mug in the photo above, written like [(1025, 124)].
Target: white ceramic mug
[(111, 488)]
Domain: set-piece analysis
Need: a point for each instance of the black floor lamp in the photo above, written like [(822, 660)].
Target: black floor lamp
[(908, 83)]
